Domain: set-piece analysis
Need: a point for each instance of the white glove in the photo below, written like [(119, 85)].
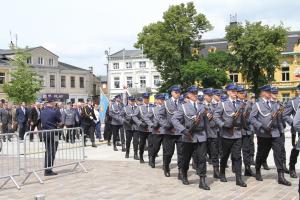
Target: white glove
[(91, 118)]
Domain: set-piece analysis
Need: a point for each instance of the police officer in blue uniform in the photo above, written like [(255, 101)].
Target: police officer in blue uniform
[(50, 118)]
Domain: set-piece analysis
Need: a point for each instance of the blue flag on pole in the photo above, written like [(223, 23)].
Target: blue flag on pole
[(103, 105)]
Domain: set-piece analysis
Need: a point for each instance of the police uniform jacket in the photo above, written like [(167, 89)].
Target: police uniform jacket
[(115, 112)]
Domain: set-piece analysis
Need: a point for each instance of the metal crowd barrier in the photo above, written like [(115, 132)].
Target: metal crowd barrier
[(9, 158), (47, 149)]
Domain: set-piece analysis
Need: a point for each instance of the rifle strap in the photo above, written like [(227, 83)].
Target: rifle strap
[(129, 115), (167, 109)]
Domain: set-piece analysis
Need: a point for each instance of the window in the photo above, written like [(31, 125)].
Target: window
[(285, 73), (129, 81), (52, 80), (234, 76), (156, 81), (2, 78), (51, 62), (41, 61), (142, 81), (63, 81), (81, 82), (42, 81), (115, 65), (128, 65), (142, 64), (72, 82), (117, 82), (29, 60), (285, 97)]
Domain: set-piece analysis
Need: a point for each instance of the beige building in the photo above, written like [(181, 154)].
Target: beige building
[(60, 80)]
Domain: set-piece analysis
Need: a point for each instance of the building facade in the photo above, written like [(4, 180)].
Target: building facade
[(58, 79), (131, 69)]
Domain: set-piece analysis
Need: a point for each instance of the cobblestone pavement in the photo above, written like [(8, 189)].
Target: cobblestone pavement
[(128, 179)]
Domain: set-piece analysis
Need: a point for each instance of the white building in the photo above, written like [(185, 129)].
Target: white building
[(132, 69)]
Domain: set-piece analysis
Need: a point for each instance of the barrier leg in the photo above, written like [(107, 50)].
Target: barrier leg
[(81, 165), (13, 180), (38, 177)]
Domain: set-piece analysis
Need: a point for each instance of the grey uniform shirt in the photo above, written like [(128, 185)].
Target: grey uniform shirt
[(183, 119), (170, 107), (115, 112), (211, 126), (230, 128), (261, 116), (131, 121)]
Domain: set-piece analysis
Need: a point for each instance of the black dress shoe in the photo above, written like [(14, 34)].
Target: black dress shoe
[(266, 166), (167, 173), (50, 173), (285, 170), (185, 180), (127, 155), (115, 148), (223, 178), (203, 184), (179, 175), (216, 172), (142, 160), (248, 171), (293, 173), (258, 175), (282, 180), (136, 157), (108, 143), (240, 182), (94, 145)]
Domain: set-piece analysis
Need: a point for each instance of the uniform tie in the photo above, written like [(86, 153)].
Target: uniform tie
[(195, 106), (268, 103), (233, 102), (175, 103)]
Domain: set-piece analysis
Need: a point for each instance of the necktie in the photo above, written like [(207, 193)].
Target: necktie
[(268, 103), (195, 106), (132, 108), (175, 103), (233, 102)]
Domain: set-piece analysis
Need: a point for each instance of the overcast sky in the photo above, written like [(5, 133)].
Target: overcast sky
[(79, 31)]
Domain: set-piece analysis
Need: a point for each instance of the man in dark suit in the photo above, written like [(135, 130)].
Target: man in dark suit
[(88, 122), (22, 118), (35, 118)]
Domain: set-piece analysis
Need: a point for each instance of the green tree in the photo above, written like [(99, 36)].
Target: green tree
[(256, 50), (169, 43), (204, 73), (24, 84)]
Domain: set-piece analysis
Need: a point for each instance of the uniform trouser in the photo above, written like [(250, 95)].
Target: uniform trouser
[(252, 148), (70, 134), (131, 134), (89, 129), (264, 146), (121, 135), (200, 150), (143, 139), (220, 151), (169, 142), (283, 152), (115, 133), (233, 147), (150, 145), (213, 145), (107, 131), (156, 143), (51, 147), (246, 149)]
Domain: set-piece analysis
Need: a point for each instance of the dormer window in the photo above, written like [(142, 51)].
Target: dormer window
[(40, 61)]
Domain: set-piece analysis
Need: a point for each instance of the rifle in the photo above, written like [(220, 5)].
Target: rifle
[(195, 124), (235, 116), (274, 116)]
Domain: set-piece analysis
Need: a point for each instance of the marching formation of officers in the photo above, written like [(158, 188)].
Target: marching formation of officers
[(214, 126)]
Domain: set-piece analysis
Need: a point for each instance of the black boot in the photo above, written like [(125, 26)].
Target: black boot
[(266, 166), (185, 180), (179, 174), (203, 184), (248, 171), (282, 180), (108, 143), (216, 172), (123, 148), (142, 158), (152, 162), (127, 154), (239, 181), (293, 173), (167, 171), (136, 157), (258, 175), (222, 175), (285, 170)]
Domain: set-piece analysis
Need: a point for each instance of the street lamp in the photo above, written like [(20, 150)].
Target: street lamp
[(107, 53)]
